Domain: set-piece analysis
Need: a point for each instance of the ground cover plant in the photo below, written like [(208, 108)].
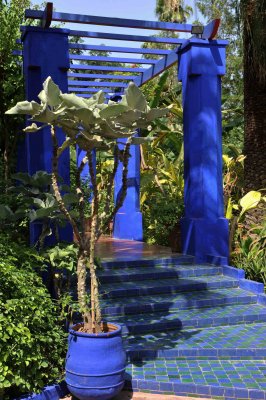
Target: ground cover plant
[(32, 341)]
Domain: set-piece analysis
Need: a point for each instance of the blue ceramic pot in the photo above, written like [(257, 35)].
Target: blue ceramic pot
[(95, 364)]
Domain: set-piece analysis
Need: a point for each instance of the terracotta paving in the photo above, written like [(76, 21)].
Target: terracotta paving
[(149, 396), (146, 396), (108, 248)]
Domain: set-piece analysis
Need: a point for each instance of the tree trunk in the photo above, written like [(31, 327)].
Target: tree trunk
[(81, 286), (254, 36)]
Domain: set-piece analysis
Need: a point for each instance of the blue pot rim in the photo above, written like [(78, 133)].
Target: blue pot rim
[(102, 335)]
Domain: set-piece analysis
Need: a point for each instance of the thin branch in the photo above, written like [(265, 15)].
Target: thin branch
[(80, 193), (111, 182), (67, 143), (56, 190), (95, 303)]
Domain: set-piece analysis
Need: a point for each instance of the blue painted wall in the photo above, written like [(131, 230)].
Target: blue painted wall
[(45, 53), (204, 228)]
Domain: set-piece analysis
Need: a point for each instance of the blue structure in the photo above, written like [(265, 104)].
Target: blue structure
[(37, 65), (204, 228), (128, 220), (201, 63)]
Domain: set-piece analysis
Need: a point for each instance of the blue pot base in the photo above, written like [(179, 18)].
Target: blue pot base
[(95, 394)]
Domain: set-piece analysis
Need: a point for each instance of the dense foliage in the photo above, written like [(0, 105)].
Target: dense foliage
[(32, 344)]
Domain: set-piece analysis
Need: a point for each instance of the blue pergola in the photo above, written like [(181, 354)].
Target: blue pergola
[(201, 64)]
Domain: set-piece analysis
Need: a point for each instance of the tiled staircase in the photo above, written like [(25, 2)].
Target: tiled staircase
[(190, 330)]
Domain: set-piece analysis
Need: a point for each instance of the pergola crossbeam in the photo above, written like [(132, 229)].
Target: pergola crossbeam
[(101, 76), (117, 49), (106, 68), (106, 21), (113, 59), (95, 83), (157, 69)]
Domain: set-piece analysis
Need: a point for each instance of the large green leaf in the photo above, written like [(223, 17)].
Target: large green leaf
[(249, 201), (38, 202), (45, 115), (71, 100), (25, 107), (141, 140), (33, 128), (135, 98), (52, 92), (85, 115), (113, 110), (128, 117), (97, 98), (5, 212), (157, 113)]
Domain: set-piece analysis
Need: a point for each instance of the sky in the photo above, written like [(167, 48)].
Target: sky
[(133, 9)]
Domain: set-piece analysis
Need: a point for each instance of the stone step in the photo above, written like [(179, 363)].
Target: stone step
[(190, 318), (178, 259), (150, 287), (180, 301), (223, 379), (227, 342), (156, 272)]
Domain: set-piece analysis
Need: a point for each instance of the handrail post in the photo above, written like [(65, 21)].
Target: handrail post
[(45, 53), (204, 228)]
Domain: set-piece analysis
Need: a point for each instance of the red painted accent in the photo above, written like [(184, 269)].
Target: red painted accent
[(48, 15), (215, 28)]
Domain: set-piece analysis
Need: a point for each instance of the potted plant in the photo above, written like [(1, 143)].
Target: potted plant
[(95, 361)]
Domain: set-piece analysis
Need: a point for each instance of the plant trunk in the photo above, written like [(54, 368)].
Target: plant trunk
[(95, 301), (82, 293), (254, 18), (254, 32)]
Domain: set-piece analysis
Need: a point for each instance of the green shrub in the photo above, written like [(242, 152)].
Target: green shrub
[(32, 344), (250, 253), (161, 214)]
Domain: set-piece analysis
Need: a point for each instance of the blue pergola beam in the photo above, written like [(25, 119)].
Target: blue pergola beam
[(101, 76), (95, 83), (156, 69), (106, 68), (118, 36), (94, 90), (121, 60), (117, 49), (128, 38), (121, 22)]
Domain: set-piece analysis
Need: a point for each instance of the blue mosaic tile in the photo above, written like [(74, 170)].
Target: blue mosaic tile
[(189, 329)]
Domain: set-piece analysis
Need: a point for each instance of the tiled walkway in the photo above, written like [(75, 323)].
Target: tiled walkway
[(189, 330)]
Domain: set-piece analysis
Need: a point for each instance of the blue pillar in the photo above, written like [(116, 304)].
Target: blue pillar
[(204, 229), (128, 220), (45, 53)]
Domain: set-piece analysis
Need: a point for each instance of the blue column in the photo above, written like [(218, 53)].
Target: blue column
[(204, 229), (45, 53), (128, 220)]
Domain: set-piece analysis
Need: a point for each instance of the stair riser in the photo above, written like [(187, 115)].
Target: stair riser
[(178, 305), (148, 263), (191, 324), (170, 289), (194, 390), (197, 354), (159, 275)]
